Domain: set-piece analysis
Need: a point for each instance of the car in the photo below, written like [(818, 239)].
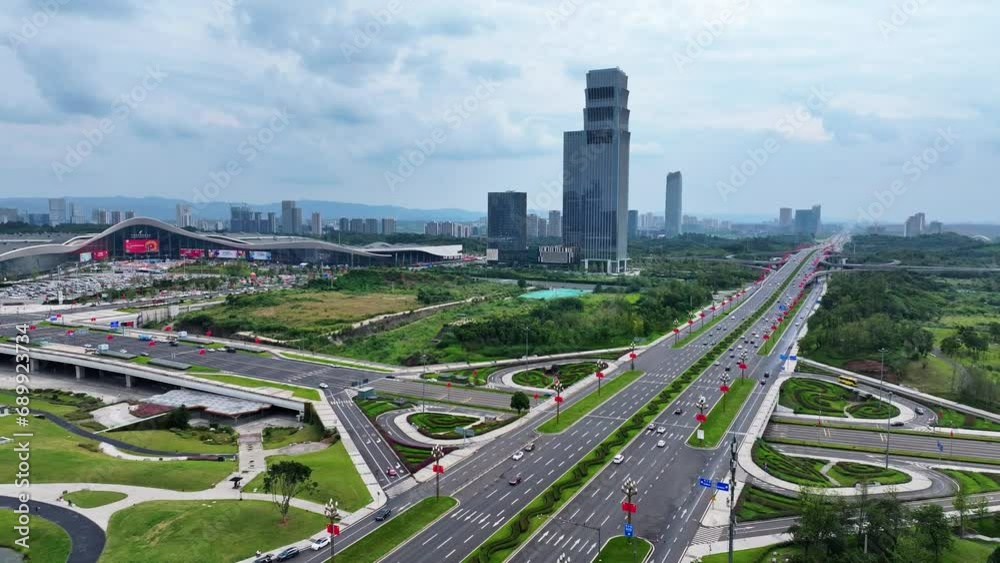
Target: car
[(530, 447), (289, 553), (324, 386), (661, 430), (896, 423), (231, 350), (717, 364), (390, 376), (123, 351), (661, 444), (763, 381), (390, 472), (319, 543), (767, 374), (618, 459), (920, 411), (651, 427), (517, 456), (740, 347), (678, 411), (383, 514), (144, 354), (731, 356), (266, 558), (729, 368), (88, 346), (515, 481), (174, 343)]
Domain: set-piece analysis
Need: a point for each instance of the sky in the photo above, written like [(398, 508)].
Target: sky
[(875, 109)]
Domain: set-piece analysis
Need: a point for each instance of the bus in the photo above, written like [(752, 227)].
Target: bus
[(849, 381)]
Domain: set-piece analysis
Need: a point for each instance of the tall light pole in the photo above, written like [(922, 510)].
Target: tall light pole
[(701, 405), (888, 434), (881, 373), (436, 453), (558, 388), (724, 387), (423, 378), (631, 355), (525, 342), (631, 489), (331, 512)]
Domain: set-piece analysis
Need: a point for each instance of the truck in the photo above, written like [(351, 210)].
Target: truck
[(101, 348), (145, 337)]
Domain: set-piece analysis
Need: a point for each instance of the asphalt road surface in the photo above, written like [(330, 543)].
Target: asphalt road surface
[(87, 537), (896, 441)]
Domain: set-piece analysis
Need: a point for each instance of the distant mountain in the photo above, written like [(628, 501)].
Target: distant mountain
[(166, 208)]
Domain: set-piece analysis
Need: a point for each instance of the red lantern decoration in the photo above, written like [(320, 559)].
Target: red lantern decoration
[(256, 340), (152, 343), (631, 355), (724, 388), (449, 385), (676, 330), (92, 319), (167, 328), (559, 398), (700, 417), (208, 333), (600, 375), (201, 352), (536, 396)]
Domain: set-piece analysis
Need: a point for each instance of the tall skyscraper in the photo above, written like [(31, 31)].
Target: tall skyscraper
[(633, 224), (532, 226), (57, 211), (506, 224), (357, 225), (129, 214), (371, 226), (785, 217), (316, 225), (595, 174), (184, 217), (555, 224), (914, 225), (673, 215), (935, 228), (817, 217), (388, 226), (344, 224), (291, 218), (806, 222)]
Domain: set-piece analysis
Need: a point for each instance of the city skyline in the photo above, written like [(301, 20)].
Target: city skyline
[(335, 141)]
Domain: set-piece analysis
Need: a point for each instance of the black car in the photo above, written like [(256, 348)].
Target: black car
[(767, 374), (266, 558), (383, 514), (289, 553), (232, 350)]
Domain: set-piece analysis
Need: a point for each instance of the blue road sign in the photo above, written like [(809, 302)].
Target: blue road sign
[(940, 446), (113, 324), (782, 307), (628, 530), (783, 356), (707, 483), (724, 487), (53, 318), (793, 358)]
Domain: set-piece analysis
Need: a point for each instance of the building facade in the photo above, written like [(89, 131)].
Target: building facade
[(555, 224), (57, 211), (673, 212), (596, 172), (633, 224)]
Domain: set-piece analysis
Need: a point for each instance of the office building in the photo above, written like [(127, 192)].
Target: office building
[(184, 217), (595, 175), (388, 226), (506, 225), (343, 224), (817, 217), (371, 226), (534, 227), (633, 224), (57, 211), (270, 223), (8, 215), (116, 217), (914, 225), (554, 227), (129, 214), (357, 225), (316, 225), (806, 222), (785, 217), (673, 211), (935, 228), (291, 218)]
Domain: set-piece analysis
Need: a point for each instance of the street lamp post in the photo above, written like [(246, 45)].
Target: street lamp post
[(332, 514), (881, 373), (631, 355), (631, 489), (423, 378), (558, 388), (436, 453), (888, 434), (701, 405), (724, 387)]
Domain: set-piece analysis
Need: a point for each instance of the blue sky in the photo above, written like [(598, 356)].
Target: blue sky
[(761, 103)]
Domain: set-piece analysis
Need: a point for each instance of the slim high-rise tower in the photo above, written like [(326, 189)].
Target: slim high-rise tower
[(595, 174), (673, 212)]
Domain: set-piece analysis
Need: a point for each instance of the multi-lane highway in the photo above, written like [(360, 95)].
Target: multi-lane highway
[(904, 442)]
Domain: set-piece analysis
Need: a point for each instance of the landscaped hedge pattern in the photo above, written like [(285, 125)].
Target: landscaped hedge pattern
[(822, 398), (439, 425), (799, 470), (568, 374), (760, 504), (499, 545)]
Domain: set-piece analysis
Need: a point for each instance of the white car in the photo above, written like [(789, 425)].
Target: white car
[(517, 456), (661, 430), (661, 444), (324, 386), (618, 459), (319, 543)]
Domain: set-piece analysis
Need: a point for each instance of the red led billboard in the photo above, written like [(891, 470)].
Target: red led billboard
[(100, 255), (192, 253), (141, 245)]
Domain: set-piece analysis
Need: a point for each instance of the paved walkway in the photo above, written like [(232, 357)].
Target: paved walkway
[(87, 538)]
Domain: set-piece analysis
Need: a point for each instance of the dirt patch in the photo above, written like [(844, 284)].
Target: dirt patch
[(871, 368)]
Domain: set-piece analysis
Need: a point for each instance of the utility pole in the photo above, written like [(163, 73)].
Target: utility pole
[(631, 489), (888, 430), (732, 497), (436, 453), (558, 388), (881, 374)]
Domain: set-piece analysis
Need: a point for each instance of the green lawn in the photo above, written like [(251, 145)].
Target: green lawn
[(222, 531), (879, 450), (412, 455), (949, 418), (799, 470), (988, 526), (191, 440), (391, 534), (582, 407), (761, 504), (74, 406), (91, 499), (47, 543), (332, 471), (756, 555), (967, 551), (849, 474), (620, 549), (58, 456), (440, 425), (279, 436), (822, 398), (568, 374), (974, 483), (722, 414), (300, 392), (375, 407)]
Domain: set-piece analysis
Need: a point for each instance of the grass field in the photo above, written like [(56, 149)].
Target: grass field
[(988, 526), (879, 450), (276, 437), (300, 392), (722, 414), (760, 504), (799, 470), (568, 374), (623, 549), (397, 530), (440, 425), (582, 407), (58, 456), (848, 474), (962, 551), (71, 406), (332, 309), (191, 440), (949, 418), (822, 398), (48, 543), (973, 483), (91, 499), (375, 407), (412, 455), (223, 531), (333, 471)]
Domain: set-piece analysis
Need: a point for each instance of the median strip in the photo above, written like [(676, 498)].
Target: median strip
[(722, 414), (387, 537), (588, 403)]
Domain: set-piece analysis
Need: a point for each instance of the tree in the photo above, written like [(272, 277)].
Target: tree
[(951, 345), (821, 529), (995, 557), (962, 506), (522, 283), (285, 480), (931, 531), (909, 548), (178, 418), (519, 401)]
